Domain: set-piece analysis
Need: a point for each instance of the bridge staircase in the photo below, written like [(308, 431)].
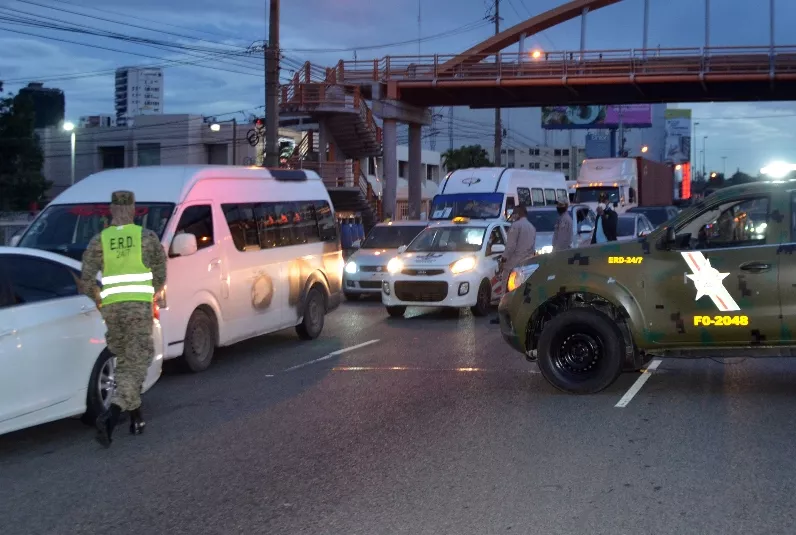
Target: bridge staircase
[(352, 136)]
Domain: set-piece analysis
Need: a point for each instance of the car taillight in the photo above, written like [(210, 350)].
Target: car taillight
[(155, 311)]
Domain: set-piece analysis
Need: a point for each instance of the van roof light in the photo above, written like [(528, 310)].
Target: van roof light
[(461, 220), (288, 174)]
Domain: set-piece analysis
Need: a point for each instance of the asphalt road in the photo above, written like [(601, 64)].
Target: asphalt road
[(437, 428)]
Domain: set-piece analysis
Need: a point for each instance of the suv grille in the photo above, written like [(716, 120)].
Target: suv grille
[(421, 291), (423, 272)]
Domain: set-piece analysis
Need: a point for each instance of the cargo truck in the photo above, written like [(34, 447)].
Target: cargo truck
[(628, 182)]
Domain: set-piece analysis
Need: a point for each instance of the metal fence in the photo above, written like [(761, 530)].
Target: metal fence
[(12, 223)]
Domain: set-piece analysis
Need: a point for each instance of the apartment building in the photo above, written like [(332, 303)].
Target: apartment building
[(565, 160)]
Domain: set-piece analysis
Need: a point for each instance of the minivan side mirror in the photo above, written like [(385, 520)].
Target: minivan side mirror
[(184, 245), (402, 248), (498, 248)]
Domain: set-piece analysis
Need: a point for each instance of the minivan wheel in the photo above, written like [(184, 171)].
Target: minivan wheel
[(581, 351), (101, 384), (314, 311), (396, 311), (200, 341)]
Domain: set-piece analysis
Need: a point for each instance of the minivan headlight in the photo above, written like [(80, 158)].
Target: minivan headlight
[(519, 275), (462, 265)]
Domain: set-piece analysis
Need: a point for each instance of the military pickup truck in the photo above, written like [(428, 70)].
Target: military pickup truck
[(718, 281)]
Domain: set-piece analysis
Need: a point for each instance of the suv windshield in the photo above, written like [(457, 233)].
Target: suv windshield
[(391, 237), (472, 205), (448, 239), (543, 220), (67, 228)]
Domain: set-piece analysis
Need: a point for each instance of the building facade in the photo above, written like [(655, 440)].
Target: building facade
[(178, 139), (49, 104), (566, 160), (139, 91)]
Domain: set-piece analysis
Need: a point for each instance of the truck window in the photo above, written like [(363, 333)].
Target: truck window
[(524, 196), (198, 220), (562, 195), (537, 197), (550, 196)]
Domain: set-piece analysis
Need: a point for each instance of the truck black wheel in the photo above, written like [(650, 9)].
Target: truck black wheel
[(581, 351)]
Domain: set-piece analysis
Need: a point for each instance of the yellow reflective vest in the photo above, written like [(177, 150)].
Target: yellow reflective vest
[(124, 275)]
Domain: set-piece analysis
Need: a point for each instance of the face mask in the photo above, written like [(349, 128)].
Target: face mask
[(561, 210)]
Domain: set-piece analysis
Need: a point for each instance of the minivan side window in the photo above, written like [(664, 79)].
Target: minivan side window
[(561, 195), (524, 196), (550, 196), (198, 220), (537, 197), (256, 226)]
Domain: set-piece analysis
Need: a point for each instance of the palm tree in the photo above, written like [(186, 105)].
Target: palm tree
[(466, 157)]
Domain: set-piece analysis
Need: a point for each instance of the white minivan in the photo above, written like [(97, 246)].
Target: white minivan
[(493, 192), (250, 250)]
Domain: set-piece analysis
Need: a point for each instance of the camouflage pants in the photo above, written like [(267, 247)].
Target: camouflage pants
[(129, 337)]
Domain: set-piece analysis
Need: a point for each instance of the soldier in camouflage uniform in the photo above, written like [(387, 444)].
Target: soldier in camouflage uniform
[(133, 266)]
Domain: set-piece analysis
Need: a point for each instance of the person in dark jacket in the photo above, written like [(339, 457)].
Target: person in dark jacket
[(605, 228)]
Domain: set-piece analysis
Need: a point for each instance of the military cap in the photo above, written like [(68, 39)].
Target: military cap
[(122, 198)]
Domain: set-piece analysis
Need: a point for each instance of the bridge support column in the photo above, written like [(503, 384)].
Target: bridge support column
[(415, 178), (323, 140), (390, 162)]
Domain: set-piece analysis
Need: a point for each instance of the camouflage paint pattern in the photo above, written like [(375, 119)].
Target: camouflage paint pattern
[(129, 338), (129, 325), (652, 286)]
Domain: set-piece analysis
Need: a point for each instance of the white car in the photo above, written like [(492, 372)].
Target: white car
[(53, 360), (543, 219), (449, 264), (366, 268)]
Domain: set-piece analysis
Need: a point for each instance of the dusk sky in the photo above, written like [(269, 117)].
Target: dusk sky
[(322, 31)]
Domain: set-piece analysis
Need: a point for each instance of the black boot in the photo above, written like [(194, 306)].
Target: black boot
[(137, 422), (106, 422)]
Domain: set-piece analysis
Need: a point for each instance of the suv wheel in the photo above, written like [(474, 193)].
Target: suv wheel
[(581, 351)]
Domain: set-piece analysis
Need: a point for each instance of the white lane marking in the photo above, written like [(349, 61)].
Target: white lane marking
[(638, 384), (330, 355)]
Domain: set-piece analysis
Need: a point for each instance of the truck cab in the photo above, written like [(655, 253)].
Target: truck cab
[(615, 177)]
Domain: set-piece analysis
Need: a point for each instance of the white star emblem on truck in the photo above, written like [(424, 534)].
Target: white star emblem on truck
[(708, 281)]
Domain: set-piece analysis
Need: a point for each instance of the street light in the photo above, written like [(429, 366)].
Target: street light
[(70, 127), (536, 54), (216, 127), (645, 148), (778, 169)]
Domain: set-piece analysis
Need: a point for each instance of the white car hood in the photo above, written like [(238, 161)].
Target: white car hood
[(433, 259), (372, 257), (543, 238)]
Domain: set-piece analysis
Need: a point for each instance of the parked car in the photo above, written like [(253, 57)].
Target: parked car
[(53, 359), (544, 219), (632, 226)]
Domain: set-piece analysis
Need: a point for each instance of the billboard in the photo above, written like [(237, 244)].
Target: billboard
[(598, 145), (583, 117), (678, 136)]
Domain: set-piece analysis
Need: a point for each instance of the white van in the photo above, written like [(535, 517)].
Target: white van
[(493, 192), (250, 250)]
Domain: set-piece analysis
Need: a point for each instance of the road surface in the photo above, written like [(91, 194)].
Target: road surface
[(435, 428)]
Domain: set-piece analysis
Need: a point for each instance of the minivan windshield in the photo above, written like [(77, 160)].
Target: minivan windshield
[(391, 236), (67, 228), (472, 205), (448, 239)]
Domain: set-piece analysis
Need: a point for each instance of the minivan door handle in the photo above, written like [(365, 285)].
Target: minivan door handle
[(755, 267), (214, 263)]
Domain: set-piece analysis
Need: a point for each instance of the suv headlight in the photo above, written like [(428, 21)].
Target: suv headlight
[(395, 265), (463, 264), (519, 275), (351, 268)]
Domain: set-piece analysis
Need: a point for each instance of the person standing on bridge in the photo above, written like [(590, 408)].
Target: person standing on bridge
[(520, 244), (133, 266)]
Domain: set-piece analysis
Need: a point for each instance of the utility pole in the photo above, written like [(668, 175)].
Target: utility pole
[(498, 127), (272, 88)]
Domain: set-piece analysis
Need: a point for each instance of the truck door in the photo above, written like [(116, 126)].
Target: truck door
[(719, 282)]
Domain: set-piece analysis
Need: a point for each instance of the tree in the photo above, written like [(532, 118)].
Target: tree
[(465, 157), (21, 157)]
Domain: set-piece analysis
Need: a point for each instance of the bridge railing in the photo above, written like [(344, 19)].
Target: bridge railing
[(618, 62)]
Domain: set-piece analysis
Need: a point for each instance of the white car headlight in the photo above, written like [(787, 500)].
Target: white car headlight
[(519, 275), (463, 264), (351, 268), (395, 265), (545, 249)]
